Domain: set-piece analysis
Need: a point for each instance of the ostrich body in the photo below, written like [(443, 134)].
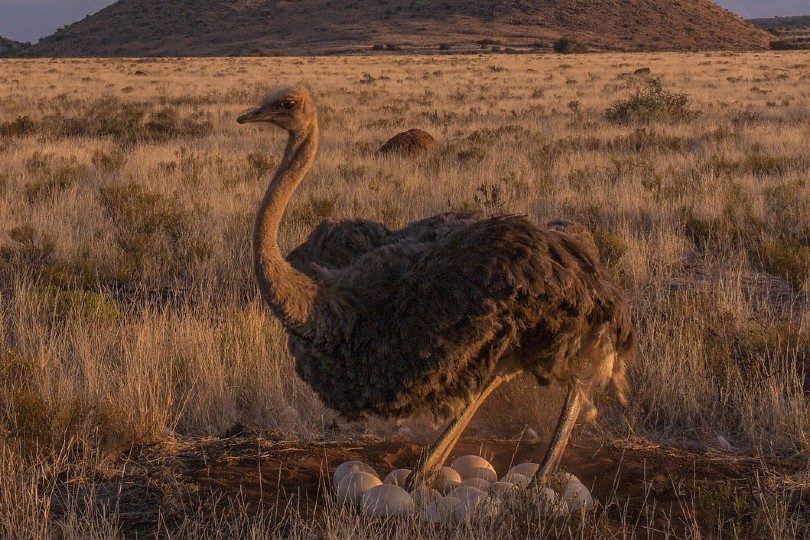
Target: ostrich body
[(435, 316)]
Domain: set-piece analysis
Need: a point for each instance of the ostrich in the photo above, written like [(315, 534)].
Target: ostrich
[(435, 316)]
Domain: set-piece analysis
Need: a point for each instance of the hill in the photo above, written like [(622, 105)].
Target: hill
[(238, 27), (790, 32), (9, 47)]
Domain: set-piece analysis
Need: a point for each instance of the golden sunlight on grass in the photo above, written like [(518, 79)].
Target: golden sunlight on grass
[(132, 337)]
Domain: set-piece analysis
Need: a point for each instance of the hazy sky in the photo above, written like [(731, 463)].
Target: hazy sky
[(29, 20)]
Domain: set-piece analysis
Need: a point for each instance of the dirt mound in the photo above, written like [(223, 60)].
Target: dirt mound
[(408, 143), (154, 480), (271, 27)]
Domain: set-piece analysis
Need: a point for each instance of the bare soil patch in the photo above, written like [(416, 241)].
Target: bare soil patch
[(159, 483)]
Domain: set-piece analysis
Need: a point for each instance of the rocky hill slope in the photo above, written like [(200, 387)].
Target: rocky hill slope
[(790, 32), (9, 47), (237, 27)]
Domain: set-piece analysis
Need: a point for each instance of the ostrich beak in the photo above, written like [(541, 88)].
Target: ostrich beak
[(253, 115)]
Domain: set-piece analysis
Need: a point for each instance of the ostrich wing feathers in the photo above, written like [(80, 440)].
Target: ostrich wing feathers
[(422, 320)]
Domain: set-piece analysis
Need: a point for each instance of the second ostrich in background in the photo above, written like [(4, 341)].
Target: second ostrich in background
[(435, 316)]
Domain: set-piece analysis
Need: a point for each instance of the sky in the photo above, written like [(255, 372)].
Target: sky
[(29, 20)]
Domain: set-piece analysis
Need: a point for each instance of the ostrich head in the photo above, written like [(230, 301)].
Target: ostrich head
[(290, 108)]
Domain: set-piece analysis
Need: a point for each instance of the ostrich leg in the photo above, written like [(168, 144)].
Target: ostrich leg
[(568, 417), (438, 452)]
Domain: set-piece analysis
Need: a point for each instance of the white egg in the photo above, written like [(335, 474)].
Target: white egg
[(350, 467), (447, 479), (424, 495), (530, 436), (467, 493), (576, 495), (526, 469), (477, 472), (354, 484), (517, 479), (386, 500), (502, 491), (472, 509), (547, 500), (562, 478), (397, 477), (439, 510), (470, 461), (477, 483)]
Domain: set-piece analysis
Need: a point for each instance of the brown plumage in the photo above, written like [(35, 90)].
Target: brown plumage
[(434, 316)]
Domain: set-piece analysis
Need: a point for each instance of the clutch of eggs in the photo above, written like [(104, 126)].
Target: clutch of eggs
[(468, 489)]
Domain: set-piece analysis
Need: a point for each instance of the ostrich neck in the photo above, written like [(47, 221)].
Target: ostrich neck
[(289, 293)]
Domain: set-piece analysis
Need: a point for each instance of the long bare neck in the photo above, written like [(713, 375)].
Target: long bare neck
[(288, 292)]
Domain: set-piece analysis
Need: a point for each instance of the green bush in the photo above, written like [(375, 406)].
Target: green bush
[(651, 103)]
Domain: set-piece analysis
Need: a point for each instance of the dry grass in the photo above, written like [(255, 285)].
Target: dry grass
[(129, 309)]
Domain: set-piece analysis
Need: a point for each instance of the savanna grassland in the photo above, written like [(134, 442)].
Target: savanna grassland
[(133, 338)]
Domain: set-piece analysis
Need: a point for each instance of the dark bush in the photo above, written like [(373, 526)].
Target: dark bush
[(20, 127), (51, 176), (651, 103), (783, 45), (124, 121), (569, 46), (153, 232)]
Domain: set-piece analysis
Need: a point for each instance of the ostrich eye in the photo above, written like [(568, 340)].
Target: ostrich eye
[(286, 104)]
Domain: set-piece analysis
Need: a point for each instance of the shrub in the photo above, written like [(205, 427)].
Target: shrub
[(569, 46), (784, 45), (787, 258), (51, 175), (28, 247), (109, 161), (20, 127), (612, 247), (124, 121), (489, 197), (314, 210), (261, 163), (152, 231), (445, 46), (88, 305), (651, 103)]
